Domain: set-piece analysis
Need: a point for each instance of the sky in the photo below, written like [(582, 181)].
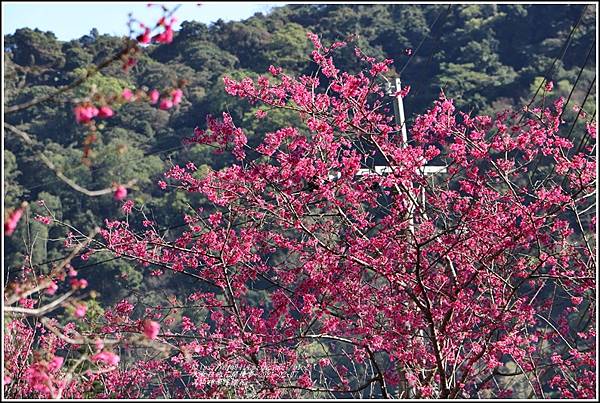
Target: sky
[(71, 20)]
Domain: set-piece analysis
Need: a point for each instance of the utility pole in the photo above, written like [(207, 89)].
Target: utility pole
[(399, 108), (401, 121), (405, 391)]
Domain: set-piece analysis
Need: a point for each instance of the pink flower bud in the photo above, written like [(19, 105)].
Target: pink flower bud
[(131, 61), (165, 104), (127, 206), (176, 96), (79, 283), (127, 94), (166, 36), (107, 357), (549, 86), (11, 223), (80, 311), (105, 112), (403, 92), (154, 95), (56, 363), (576, 300), (275, 71), (145, 38), (120, 193), (151, 329), (51, 289), (84, 114)]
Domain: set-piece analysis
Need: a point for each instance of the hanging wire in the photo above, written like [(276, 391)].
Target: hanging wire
[(558, 57), (447, 10), (578, 77)]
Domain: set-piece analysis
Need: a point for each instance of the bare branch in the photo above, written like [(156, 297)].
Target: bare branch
[(25, 137)]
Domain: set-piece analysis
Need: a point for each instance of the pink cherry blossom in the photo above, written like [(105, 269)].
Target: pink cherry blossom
[(166, 36), (154, 95), (127, 94), (120, 193), (10, 224), (80, 311), (127, 206), (78, 283), (106, 357), (105, 112), (304, 381), (145, 38), (51, 289), (303, 270), (56, 363), (165, 104), (84, 114), (176, 96), (151, 329)]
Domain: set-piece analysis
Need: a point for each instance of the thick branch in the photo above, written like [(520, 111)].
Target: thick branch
[(26, 138), (91, 71)]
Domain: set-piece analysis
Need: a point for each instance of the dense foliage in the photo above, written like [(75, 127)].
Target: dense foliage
[(276, 274)]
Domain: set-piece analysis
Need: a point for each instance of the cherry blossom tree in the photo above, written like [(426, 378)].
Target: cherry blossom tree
[(307, 279)]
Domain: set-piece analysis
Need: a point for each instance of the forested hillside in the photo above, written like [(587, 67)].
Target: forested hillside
[(486, 57)]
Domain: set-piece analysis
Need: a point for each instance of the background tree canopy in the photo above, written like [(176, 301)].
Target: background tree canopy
[(487, 57)]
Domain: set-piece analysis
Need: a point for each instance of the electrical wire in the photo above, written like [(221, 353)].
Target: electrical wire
[(578, 77), (423, 39), (558, 57), (430, 58), (581, 108)]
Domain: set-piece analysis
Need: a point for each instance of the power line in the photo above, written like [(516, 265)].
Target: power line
[(423, 39), (582, 105), (537, 163), (430, 58), (584, 138), (578, 77), (560, 56)]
